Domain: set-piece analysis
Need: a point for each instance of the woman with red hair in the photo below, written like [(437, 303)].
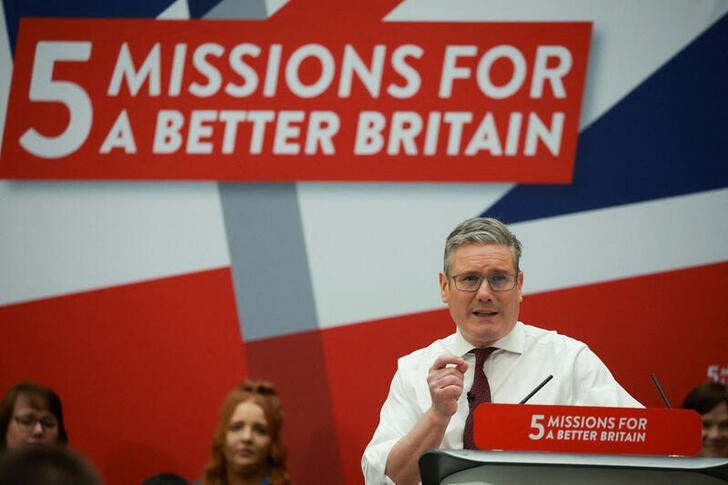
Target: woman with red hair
[(248, 448)]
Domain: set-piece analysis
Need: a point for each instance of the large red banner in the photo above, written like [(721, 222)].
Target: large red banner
[(240, 100)]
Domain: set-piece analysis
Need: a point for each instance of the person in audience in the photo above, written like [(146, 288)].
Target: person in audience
[(710, 399), (247, 447), (31, 413), (46, 465), (435, 390), (165, 479)]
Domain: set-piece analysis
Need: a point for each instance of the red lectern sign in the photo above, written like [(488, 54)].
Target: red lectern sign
[(582, 429)]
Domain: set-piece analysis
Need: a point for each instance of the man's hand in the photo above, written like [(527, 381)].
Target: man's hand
[(445, 380)]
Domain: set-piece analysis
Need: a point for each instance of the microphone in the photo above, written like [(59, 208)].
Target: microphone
[(538, 388), (659, 389)]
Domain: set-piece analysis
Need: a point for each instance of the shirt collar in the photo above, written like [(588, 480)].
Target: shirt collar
[(512, 342)]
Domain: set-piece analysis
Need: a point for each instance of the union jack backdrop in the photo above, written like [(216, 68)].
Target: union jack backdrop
[(144, 296)]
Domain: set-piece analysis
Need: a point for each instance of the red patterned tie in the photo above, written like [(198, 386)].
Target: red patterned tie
[(480, 392)]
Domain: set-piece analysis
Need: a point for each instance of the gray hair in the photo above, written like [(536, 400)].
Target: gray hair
[(481, 230)]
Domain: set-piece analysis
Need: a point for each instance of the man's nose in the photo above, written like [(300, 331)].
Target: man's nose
[(485, 292)]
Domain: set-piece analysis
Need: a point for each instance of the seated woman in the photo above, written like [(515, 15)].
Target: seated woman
[(248, 448), (710, 399), (31, 413)]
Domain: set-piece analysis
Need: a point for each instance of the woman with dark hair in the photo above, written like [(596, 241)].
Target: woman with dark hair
[(31, 413), (248, 448), (46, 465), (710, 399)]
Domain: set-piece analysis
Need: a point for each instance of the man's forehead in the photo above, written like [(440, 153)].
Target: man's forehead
[(480, 252)]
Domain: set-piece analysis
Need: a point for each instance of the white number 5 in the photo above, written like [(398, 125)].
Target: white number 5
[(535, 418), (44, 88)]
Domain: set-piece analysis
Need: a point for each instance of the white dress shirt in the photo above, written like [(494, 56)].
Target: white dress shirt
[(525, 357)]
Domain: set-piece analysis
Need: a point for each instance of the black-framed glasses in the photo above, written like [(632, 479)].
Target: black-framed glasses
[(28, 421), (496, 281)]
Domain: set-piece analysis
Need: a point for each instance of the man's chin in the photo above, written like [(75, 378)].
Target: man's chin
[(485, 336)]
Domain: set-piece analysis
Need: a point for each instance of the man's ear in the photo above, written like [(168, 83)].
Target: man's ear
[(444, 287), (520, 286)]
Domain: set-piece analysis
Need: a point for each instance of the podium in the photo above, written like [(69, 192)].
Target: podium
[(552, 444), (471, 467)]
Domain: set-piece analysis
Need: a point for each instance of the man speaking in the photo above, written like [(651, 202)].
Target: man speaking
[(491, 357)]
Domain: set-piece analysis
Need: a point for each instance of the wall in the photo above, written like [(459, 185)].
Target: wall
[(143, 303)]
